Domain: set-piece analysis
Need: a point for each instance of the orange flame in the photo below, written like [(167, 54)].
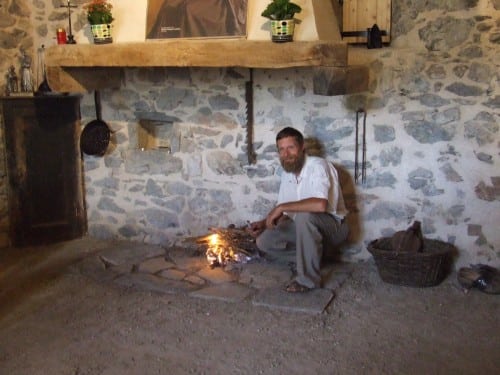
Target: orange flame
[(218, 252)]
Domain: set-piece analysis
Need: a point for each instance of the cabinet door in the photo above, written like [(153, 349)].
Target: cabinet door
[(46, 201), (359, 15)]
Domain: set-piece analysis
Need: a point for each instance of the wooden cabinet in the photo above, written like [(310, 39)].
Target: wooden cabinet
[(46, 200), (359, 15)]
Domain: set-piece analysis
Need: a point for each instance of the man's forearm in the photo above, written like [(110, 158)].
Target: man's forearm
[(305, 205)]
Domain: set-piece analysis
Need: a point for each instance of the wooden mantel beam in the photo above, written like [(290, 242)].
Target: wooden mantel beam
[(200, 53), (87, 67)]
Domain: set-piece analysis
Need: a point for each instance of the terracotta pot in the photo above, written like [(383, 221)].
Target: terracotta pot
[(282, 30), (102, 33)]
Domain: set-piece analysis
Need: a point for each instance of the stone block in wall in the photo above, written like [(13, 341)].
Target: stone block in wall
[(332, 81)]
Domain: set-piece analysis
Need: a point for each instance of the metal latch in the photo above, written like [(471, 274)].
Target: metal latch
[(373, 36)]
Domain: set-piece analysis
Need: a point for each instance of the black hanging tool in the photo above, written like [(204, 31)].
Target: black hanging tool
[(252, 157), (357, 174), (96, 135)]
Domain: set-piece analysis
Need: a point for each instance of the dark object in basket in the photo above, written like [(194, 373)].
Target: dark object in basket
[(422, 269), (480, 276), (410, 240)]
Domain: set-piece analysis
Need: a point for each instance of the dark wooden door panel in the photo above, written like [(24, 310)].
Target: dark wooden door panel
[(45, 175)]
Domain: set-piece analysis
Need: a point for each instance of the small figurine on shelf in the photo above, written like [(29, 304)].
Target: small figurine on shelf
[(26, 77), (12, 81)]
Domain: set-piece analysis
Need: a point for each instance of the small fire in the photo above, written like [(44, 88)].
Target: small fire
[(230, 245), (218, 252)]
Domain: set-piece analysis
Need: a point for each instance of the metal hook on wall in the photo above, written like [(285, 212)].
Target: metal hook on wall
[(357, 173)]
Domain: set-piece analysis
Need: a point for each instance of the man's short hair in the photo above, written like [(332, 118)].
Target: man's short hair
[(290, 132)]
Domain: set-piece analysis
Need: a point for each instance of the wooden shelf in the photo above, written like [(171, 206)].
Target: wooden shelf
[(86, 67), (201, 53)]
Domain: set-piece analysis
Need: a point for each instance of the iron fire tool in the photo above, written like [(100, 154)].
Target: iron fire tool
[(356, 152), (252, 157), (71, 39)]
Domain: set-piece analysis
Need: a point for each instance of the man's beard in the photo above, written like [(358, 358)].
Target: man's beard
[(295, 164)]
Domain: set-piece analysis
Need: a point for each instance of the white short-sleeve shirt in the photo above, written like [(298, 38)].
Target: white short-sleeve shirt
[(317, 179)]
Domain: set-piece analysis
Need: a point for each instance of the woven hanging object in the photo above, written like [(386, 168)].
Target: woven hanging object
[(95, 138)]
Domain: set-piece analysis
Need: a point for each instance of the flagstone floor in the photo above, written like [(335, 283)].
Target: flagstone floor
[(184, 270), (111, 307)]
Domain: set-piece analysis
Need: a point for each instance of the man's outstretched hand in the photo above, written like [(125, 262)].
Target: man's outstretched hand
[(274, 217), (256, 228), (270, 222)]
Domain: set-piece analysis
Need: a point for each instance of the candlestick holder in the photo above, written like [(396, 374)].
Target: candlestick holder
[(71, 39)]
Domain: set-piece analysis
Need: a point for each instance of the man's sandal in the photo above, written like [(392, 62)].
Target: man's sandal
[(295, 287)]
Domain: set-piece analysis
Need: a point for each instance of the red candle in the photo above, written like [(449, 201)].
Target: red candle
[(61, 36)]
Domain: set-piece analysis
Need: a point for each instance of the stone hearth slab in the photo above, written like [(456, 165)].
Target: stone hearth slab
[(215, 275), (130, 254), (313, 302), (230, 292), (172, 274), (144, 281), (196, 280), (186, 262), (154, 265), (263, 275)]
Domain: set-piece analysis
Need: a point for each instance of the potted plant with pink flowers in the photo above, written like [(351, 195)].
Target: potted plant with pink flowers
[(100, 18)]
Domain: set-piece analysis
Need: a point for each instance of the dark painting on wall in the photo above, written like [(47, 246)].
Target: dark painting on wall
[(196, 19)]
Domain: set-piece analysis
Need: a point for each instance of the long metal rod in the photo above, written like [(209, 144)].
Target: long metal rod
[(363, 162), (356, 150), (357, 173)]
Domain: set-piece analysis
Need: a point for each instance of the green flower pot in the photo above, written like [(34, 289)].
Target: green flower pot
[(102, 33), (282, 30)]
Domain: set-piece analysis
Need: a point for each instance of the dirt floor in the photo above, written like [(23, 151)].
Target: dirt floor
[(53, 321)]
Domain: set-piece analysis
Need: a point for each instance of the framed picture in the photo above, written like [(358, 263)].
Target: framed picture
[(196, 19)]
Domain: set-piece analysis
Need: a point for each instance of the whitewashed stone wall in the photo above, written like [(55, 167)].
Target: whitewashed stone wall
[(432, 136)]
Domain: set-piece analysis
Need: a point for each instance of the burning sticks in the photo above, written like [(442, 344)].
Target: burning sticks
[(228, 245)]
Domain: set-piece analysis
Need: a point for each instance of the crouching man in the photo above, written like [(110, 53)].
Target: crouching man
[(309, 216)]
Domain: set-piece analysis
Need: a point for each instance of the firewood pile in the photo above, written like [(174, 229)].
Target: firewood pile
[(226, 245)]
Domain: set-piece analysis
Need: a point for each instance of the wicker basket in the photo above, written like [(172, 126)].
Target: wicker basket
[(423, 269)]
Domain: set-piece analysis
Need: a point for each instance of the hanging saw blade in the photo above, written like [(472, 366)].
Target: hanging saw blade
[(252, 157)]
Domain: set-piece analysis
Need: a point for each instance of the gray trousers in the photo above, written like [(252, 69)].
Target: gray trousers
[(304, 240)]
